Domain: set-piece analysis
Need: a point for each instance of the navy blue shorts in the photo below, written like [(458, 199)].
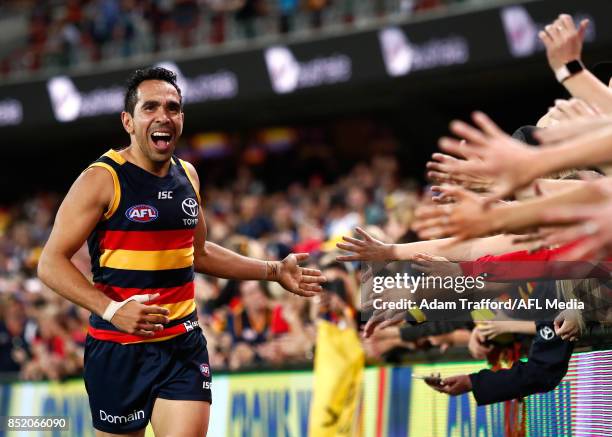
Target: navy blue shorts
[(123, 381)]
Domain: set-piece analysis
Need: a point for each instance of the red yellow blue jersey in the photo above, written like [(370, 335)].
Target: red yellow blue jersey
[(144, 245)]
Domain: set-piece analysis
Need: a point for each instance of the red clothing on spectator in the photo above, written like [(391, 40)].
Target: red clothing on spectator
[(541, 264)]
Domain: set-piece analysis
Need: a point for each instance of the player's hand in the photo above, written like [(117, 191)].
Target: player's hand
[(298, 280), (368, 249), (453, 385), (140, 319), (563, 41), (491, 153)]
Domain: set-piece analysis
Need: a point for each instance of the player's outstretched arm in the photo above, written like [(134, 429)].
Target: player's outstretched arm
[(82, 208), (212, 259)]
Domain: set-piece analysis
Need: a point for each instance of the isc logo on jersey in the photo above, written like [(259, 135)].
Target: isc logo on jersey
[(142, 213)]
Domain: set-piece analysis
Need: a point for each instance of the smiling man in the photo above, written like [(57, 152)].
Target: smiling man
[(139, 210)]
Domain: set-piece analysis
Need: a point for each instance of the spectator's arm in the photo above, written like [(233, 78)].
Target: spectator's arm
[(563, 44)]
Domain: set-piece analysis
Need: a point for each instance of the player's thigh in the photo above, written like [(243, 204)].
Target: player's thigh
[(173, 418), (140, 433)]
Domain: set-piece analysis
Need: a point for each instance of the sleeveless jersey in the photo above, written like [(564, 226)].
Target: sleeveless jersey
[(144, 245)]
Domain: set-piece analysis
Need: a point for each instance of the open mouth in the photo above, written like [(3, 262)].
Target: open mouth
[(161, 139)]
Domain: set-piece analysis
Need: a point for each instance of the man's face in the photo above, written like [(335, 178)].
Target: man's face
[(157, 122)]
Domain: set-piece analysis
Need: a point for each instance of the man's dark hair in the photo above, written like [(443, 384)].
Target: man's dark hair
[(139, 76)]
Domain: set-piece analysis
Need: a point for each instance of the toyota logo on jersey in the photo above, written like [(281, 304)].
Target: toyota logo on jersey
[(142, 213), (190, 207)]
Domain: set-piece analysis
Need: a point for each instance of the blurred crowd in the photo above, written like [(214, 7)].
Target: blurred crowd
[(66, 33)]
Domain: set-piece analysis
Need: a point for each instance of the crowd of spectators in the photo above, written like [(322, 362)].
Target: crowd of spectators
[(66, 33)]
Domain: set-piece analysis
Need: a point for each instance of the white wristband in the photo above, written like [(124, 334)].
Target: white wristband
[(114, 306)]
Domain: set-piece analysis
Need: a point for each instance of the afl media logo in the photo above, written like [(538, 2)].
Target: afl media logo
[(190, 207), (142, 213)]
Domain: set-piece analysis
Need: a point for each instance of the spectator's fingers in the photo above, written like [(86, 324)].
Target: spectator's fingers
[(349, 258), (488, 126), (566, 22), (364, 234), (440, 177), (545, 38), (552, 31), (444, 158), (584, 24), (350, 248), (441, 232), (452, 146), (472, 135), (354, 241)]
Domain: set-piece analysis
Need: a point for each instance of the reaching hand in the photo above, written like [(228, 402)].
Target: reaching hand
[(465, 219), (139, 319), (492, 154), (446, 169), (569, 110), (490, 329), (567, 325), (453, 385), (368, 249), (570, 129), (590, 226), (435, 265), (296, 279), (563, 41), (477, 347)]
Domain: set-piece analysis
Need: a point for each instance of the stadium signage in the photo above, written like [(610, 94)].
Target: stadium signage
[(222, 84), (402, 56), (287, 74), (485, 38), (11, 112), (69, 104)]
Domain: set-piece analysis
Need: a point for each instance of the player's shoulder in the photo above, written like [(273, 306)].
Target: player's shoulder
[(96, 184), (190, 169)]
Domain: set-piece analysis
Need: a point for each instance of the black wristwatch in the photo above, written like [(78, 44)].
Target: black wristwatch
[(568, 70)]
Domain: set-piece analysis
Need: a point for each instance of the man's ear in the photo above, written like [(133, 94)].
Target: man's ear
[(128, 122)]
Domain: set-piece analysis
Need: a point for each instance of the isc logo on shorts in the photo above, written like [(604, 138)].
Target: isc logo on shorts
[(142, 213)]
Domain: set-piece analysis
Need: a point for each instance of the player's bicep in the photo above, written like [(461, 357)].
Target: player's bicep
[(82, 208), (199, 239)]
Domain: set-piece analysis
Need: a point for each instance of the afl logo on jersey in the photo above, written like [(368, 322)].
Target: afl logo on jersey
[(142, 213)]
